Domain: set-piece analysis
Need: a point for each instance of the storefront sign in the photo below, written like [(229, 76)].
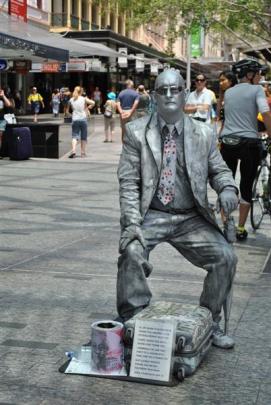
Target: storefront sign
[(122, 60), (36, 67), (154, 68), (22, 66), (18, 8), (3, 64), (76, 66), (140, 64), (50, 67), (94, 65)]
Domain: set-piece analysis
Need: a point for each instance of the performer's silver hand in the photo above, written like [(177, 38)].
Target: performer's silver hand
[(132, 232), (228, 201)]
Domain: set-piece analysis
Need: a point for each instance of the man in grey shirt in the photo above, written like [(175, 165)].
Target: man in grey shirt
[(242, 103)]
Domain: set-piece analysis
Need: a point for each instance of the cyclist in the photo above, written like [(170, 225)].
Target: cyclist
[(239, 135)]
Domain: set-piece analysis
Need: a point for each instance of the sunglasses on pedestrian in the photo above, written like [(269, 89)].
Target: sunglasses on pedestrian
[(163, 91), (200, 80)]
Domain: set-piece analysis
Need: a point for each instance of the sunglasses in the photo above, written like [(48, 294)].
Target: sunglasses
[(200, 80), (162, 91)]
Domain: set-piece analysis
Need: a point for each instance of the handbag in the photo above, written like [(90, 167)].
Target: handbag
[(108, 114), (10, 118)]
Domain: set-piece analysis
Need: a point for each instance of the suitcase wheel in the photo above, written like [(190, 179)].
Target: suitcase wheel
[(181, 374)]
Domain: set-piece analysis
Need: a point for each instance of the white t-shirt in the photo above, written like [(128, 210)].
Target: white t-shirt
[(78, 108), (203, 97)]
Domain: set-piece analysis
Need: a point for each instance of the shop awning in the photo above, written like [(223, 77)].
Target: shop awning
[(16, 34)]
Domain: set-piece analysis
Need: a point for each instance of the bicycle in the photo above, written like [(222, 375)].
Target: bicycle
[(261, 190)]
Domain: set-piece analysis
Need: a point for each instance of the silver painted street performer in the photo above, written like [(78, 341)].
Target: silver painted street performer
[(165, 165)]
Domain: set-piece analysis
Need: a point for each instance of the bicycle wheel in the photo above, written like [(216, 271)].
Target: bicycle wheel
[(257, 203)]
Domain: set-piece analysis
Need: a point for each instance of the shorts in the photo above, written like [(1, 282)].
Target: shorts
[(35, 107), (109, 123), (3, 124), (80, 130), (249, 152)]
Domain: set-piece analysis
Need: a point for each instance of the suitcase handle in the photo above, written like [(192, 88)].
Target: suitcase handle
[(180, 344)]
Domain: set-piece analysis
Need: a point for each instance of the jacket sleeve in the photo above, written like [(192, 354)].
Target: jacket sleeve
[(220, 176), (129, 174)]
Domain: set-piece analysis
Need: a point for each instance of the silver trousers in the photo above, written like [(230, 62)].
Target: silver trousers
[(197, 240)]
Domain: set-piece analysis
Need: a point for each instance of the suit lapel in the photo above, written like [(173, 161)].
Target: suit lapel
[(153, 137), (188, 147)]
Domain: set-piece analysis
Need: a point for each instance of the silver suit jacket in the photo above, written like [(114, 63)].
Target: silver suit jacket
[(141, 161)]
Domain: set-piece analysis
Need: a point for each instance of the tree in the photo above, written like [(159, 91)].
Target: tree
[(245, 20)]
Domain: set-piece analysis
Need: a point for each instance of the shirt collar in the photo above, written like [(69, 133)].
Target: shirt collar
[(178, 125)]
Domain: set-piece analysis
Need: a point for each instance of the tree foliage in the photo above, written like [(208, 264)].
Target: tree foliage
[(246, 20)]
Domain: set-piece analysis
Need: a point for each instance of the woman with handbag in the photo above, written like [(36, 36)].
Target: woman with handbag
[(79, 106), (5, 104), (109, 116)]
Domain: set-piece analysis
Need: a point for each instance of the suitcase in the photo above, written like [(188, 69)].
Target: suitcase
[(194, 329), (20, 143)]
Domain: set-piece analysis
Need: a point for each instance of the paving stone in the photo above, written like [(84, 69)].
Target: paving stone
[(59, 231)]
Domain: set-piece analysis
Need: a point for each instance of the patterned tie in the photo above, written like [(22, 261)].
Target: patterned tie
[(166, 188)]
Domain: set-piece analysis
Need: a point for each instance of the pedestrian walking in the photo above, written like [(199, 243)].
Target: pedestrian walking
[(35, 100), (199, 102), (18, 102), (79, 106), (65, 96), (143, 107), (97, 97), (5, 105), (227, 79), (239, 136), (109, 116), (55, 102), (127, 103)]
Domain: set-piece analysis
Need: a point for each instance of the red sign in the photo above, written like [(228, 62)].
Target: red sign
[(18, 8), (50, 67), (22, 66)]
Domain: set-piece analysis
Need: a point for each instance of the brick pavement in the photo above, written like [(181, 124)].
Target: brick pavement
[(59, 238)]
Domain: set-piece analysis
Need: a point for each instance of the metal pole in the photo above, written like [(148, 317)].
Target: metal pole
[(188, 63)]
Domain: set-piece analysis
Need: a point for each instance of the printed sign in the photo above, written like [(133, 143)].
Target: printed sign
[(76, 66), (94, 64), (18, 8), (154, 69), (122, 60), (140, 64), (152, 349)]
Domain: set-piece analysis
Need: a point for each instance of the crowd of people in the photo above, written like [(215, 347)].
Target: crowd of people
[(239, 111)]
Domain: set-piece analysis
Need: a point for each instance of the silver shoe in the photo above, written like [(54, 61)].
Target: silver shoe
[(220, 339)]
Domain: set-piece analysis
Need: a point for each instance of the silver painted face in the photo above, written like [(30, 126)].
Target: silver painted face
[(170, 95)]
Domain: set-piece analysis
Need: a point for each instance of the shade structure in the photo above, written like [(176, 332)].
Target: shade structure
[(18, 35)]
